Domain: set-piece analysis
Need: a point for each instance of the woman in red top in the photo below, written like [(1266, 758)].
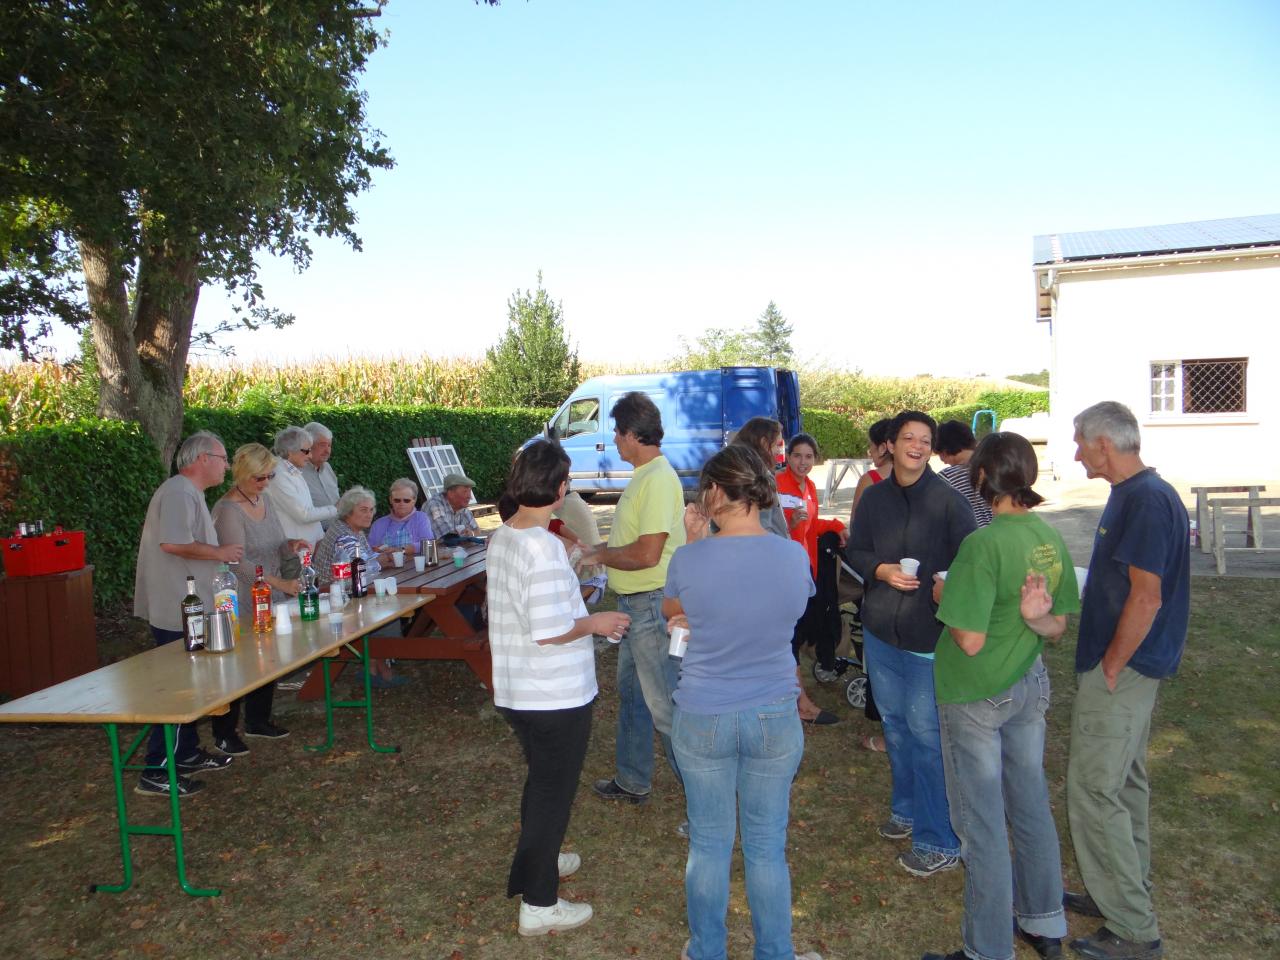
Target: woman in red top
[(806, 526)]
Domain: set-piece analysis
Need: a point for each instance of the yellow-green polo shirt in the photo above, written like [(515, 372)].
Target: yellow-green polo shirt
[(653, 502)]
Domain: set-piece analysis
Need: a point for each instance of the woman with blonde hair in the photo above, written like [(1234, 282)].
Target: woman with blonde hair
[(244, 516)]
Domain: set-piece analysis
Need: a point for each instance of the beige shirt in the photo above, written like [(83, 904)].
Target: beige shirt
[(177, 514)]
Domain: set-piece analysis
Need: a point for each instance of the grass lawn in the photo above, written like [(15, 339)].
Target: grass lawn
[(353, 853)]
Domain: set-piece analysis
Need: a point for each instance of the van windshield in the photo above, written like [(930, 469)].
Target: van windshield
[(581, 415)]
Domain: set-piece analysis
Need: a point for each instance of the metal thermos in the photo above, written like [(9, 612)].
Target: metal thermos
[(220, 636), (431, 551)]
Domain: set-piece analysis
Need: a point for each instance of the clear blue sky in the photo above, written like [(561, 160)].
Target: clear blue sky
[(878, 170)]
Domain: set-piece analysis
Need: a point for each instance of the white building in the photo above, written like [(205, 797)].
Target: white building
[(1181, 323)]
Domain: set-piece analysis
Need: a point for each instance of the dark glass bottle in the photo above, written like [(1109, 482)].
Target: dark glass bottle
[(192, 618)]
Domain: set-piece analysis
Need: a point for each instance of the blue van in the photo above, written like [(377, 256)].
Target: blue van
[(701, 409)]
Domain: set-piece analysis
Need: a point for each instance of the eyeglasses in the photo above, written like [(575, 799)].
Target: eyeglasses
[(220, 456), (262, 478), (305, 451), (404, 500)]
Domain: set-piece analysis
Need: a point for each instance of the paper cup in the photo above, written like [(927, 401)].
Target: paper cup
[(380, 588), (679, 642), (397, 557), (941, 575), (420, 563), (909, 566), (392, 587)]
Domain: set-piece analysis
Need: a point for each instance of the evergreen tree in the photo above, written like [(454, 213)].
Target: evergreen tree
[(772, 338), (533, 365)]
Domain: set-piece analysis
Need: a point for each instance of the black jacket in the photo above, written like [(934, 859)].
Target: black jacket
[(927, 521)]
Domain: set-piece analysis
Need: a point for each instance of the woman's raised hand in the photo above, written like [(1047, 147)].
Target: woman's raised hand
[(1036, 601)]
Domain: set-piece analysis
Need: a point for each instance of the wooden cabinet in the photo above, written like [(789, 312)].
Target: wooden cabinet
[(47, 630)]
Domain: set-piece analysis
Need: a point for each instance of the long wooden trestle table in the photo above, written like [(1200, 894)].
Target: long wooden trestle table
[(169, 686)]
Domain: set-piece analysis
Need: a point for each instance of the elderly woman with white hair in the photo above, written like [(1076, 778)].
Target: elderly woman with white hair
[(289, 494), (349, 532), (405, 527)]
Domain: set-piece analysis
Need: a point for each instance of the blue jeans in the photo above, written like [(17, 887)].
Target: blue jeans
[(738, 769), (904, 694), (647, 678), (993, 750)]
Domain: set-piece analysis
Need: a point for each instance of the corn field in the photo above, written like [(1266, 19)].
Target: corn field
[(38, 394)]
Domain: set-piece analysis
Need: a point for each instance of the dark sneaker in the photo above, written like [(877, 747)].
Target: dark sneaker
[(232, 746), (1105, 945), (267, 730), (925, 863), (203, 762), (156, 784), (893, 830), (1048, 947), (609, 790), (953, 955), (1081, 903)]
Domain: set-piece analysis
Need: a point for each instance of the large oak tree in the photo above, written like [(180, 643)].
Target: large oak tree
[(169, 143)]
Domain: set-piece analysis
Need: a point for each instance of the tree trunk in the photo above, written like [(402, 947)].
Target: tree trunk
[(142, 354)]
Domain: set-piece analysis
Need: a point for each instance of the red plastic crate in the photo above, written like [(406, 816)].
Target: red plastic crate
[(37, 556)]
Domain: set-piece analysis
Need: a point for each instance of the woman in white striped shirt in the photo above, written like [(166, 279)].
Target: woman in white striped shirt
[(544, 681)]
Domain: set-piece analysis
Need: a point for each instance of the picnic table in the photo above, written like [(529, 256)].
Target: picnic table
[(1253, 541), (170, 686), (439, 630), (1206, 525), (836, 470)]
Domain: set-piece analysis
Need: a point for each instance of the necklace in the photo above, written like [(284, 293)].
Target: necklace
[(252, 501)]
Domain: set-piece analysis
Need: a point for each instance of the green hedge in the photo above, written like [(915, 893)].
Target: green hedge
[(90, 475), (837, 435), (1006, 403), (369, 442)]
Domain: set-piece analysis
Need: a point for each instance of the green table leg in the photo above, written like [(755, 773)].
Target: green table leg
[(121, 763), (330, 704)]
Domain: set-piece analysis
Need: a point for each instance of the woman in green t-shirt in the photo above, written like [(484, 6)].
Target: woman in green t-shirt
[(1011, 586)]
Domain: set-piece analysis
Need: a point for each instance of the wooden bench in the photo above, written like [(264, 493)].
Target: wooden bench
[(1204, 518), (1253, 540)]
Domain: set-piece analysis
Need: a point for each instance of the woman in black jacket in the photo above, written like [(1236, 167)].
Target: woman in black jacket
[(913, 514)]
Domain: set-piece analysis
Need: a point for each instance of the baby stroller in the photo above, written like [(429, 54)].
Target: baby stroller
[(849, 670)]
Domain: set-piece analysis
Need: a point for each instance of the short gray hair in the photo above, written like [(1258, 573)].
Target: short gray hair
[(352, 499), (319, 431), (195, 446), (290, 439), (1112, 420), (404, 483)]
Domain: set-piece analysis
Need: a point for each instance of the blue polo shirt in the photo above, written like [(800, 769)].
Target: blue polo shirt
[(1143, 525)]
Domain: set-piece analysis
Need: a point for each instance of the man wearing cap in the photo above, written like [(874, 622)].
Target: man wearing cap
[(448, 508)]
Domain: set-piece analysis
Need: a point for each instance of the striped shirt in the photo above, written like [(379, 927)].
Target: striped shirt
[(534, 595), (958, 476)]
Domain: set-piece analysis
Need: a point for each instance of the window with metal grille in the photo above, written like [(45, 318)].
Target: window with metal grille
[(1199, 386)]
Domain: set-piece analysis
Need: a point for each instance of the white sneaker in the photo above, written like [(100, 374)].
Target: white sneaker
[(563, 915), (568, 864)]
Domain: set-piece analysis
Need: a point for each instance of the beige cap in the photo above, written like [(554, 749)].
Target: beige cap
[(456, 480)]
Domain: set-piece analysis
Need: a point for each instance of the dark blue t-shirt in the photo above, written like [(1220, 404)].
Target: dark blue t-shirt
[(1144, 525)]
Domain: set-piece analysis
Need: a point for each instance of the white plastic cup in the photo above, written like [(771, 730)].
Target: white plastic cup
[(337, 598), (459, 557), (679, 641), (941, 575), (910, 566), (326, 604), (380, 587), (392, 587), (397, 557), (283, 623), (420, 563)]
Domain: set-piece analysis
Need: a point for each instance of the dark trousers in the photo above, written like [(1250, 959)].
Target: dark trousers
[(555, 745), (257, 711), (186, 739)]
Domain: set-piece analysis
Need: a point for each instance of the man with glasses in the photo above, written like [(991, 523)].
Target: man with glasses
[(178, 541)]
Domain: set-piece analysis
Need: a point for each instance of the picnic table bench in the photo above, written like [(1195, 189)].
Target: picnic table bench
[(170, 686), (1253, 540), (1205, 524)]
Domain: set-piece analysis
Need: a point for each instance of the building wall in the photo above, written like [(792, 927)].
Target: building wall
[(1109, 327)]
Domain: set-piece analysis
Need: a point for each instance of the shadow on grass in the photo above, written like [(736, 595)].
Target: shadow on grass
[(350, 853)]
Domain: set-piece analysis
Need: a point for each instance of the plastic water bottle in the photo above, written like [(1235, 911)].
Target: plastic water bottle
[(226, 594)]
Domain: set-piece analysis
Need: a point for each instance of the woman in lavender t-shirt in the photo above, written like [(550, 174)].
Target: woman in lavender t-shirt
[(736, 732)]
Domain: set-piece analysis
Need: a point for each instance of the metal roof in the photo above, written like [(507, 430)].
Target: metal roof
[(1228, 234)]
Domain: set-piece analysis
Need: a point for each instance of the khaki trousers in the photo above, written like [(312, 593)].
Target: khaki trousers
[(1108, 798)]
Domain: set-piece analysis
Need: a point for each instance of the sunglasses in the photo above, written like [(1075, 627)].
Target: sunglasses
[(400, 500), (262, 478), (305, 451)]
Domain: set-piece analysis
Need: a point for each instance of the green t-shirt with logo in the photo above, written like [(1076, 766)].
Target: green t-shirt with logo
[(982, 594)]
